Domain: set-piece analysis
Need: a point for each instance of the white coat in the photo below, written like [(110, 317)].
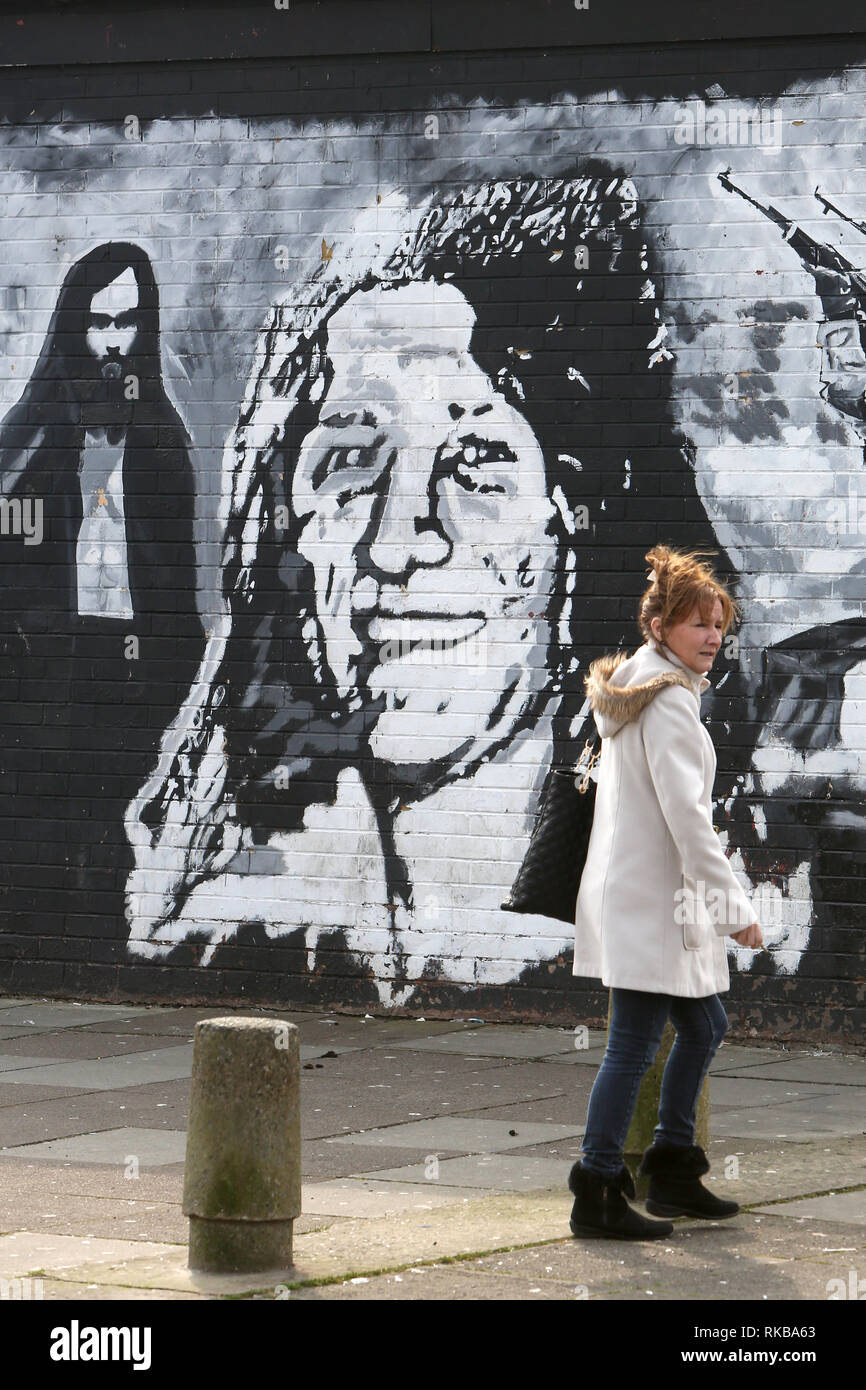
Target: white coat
[(657, 895)]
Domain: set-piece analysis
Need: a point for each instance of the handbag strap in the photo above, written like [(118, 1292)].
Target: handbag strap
[(586, 762)]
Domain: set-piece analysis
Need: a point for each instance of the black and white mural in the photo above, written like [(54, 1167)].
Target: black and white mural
[(331, 452)]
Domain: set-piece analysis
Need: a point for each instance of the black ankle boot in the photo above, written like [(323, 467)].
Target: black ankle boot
[(600, 1208), (675, 1189)]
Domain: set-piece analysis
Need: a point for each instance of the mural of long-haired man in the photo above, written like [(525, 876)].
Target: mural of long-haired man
[(98, 620), (436, 502)]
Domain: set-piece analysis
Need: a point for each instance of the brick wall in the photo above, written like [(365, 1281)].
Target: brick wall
[(309, 361)]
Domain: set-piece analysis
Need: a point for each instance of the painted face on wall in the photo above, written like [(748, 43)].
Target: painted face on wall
[(112, 324), (425, 515)]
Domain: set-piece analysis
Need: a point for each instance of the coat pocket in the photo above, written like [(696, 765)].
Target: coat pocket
[(690, 914)]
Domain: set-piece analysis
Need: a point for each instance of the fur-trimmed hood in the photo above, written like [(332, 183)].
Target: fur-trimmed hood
[(639, 678)]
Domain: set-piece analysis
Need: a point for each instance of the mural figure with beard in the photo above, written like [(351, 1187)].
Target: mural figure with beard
[(436, 503), (98, 620)]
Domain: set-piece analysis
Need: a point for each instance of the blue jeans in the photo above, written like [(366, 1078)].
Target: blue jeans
[(636, 1025)]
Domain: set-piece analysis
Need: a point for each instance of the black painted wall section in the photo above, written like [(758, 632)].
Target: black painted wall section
[(80, 31)]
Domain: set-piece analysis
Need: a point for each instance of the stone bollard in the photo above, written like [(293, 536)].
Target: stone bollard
[(242, 1177), (646, 1111)]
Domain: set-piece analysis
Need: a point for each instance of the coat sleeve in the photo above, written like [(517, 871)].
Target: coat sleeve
[(672, 736)]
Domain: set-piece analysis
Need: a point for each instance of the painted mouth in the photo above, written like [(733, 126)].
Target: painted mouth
[(413, 630)]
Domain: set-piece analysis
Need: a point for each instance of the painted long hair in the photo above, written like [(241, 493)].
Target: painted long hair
[(569, 329), (42, 436)]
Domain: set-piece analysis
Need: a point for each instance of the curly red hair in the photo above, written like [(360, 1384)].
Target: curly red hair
[(679, 581)]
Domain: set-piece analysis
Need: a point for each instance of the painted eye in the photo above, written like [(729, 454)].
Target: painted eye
[(354, 456), (473, 454), (484, 451)]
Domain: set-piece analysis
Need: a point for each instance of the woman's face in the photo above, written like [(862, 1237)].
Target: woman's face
[(696, 640), (425, 515)]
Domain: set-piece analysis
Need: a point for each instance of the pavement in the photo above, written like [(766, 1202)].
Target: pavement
[(435, 1162)]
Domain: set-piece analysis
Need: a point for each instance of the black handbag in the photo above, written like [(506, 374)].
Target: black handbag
[(548, 880)]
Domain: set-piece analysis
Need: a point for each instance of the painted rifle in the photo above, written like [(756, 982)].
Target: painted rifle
[(846, 217), (840, 285)]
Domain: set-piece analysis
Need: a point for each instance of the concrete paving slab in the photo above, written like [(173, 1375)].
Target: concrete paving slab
[(568, 1109), (94, 1217), (383, 1088), (311, 1051), (374, 1032), (449, 1283), (473, 1134), (499, 1040), (748, 1257), (492, 1173), (24, 1182), (25, 1063), (161, 1106), (55, 1257), (364, 1247), (57, 1015), (581, 1057), (151, 1147), (819, 1116), (754, 1256), (746, 1090), (169, 1276), (9, 1033), (105, 1074), (352, 1029), (739, 1169), (768, 1173), (569, 1148), (848, 1207), (32, 1252), (13, 1098), (729, 1057), (323, 1162), (73, 1043), (393, 1063), (757, 1176), (827, 1070), (8, 1001), (365, 1198), (53, 1289), (177, 1021), (108, 1217), (738, 1055), (430, 1283)]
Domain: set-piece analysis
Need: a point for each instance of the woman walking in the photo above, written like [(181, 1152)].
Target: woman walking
[(657, 897)]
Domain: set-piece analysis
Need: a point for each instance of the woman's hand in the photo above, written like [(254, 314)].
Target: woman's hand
[(751, 936)]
